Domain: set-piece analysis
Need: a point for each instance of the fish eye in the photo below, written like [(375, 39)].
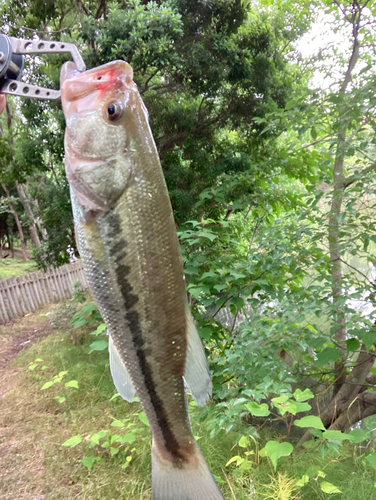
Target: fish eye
[(114, 111)]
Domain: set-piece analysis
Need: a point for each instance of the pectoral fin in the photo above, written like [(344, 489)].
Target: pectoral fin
[(120, 375), (197, 375)]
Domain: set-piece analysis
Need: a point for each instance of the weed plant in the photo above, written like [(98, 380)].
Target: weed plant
[(98, 461)]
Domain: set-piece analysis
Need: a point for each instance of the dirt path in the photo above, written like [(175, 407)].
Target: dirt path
[(19, 454), (11, 345)]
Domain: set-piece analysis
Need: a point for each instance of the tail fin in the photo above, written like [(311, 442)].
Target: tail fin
[(191, 483)]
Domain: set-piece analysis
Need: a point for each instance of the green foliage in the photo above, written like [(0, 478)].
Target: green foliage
[(88, 315), (277, 450)]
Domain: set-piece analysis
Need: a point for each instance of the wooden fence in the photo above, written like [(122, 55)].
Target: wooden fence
[(19, 296)]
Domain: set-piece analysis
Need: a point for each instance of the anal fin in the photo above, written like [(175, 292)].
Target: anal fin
[(197, 375), (120, 375)]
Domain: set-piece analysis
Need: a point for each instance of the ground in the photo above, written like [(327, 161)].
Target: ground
[(15, 267), (34, 424), (21, 462)]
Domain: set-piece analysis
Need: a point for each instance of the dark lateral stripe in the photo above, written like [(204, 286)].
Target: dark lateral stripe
[(133, 319)]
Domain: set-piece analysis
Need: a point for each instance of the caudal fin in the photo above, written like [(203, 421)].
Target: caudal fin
[(188, 483)]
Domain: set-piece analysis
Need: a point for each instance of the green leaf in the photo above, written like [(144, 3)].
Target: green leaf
[(73, 441), (328, 355), (72, 383), (371, 459), (117, 395), (288, 407), (368, 337), (48, 384), (60, 399), (196, 292), (315, 343), (258, 410), (209, 274), (280, 399), (117, 423), (237, 275), (99, 330), (219, 479), (276, 450), (33, 366), (143, 418), (238, 459), (206, 234), (358, 435), (289, 104), (243, 442), (98, 345), (238, 302), (303, 395), (89, 461), (329, 488), (205, 332), (314, 470), (352, 345), (302, 407), (130, 438), (310, 421), (302, 481), (338, 435), (99, 435)]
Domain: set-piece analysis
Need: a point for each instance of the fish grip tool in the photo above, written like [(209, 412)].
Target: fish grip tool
[(12, 52)]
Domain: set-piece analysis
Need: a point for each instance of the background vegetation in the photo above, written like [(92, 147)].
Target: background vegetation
[(269, 159)]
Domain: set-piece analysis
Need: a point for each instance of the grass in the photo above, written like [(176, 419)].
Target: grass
[(10, 268), (34, 425)]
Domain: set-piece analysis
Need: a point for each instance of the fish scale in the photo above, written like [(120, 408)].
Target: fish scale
[(128, 244)]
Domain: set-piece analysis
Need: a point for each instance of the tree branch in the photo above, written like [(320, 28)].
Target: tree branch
[(363, 172), (343, 11), (148, 80), (348, 392)]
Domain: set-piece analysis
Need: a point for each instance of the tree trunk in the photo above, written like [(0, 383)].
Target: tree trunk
[(24, 200), (335, 212), (36, 211), (11, 247), (336, 414), (26, 204), (18, 224)]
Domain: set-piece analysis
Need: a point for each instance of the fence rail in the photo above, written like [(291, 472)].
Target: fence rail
[(22, 295)]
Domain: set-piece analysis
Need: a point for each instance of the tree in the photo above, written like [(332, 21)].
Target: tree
[(353, 115), (204, 69)]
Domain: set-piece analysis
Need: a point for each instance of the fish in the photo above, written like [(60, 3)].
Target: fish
[(127, 240)]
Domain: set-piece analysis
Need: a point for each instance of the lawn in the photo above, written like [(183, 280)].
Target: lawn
[(112, 458), (15, 267)]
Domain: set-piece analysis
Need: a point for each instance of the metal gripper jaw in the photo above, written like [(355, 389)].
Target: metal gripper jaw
[(12, 51)]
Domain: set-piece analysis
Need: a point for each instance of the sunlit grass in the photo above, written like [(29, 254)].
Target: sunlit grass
[(10, 268)]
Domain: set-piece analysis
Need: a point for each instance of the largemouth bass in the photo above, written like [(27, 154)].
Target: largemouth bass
[(128, 244)]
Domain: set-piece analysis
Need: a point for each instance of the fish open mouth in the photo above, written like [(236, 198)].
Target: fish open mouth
[(76, 85)]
